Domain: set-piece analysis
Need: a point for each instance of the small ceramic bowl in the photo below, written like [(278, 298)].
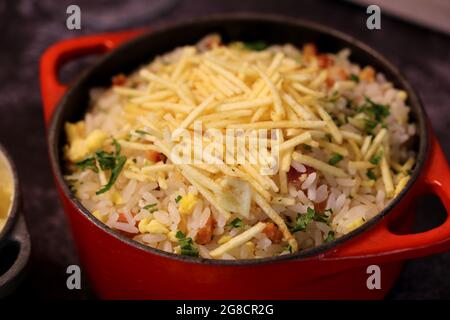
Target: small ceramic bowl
[(14, 238)]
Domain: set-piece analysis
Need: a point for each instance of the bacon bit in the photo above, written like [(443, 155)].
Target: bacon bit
[(324, 61), (309, 169), (155, 156), (320, 207), (119, 80), (329, 82), (342, 74), (309, 51), (204, 234), (209, 42), (122, 217), (273, 232), (294, 176), (336, 74), (367, 74)]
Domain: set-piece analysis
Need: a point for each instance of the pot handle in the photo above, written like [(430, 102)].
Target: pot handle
[(20, 237), (382, 245), (60, 53)]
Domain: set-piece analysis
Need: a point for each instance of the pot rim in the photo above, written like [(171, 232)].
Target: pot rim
[(413, 99), (13, 213)]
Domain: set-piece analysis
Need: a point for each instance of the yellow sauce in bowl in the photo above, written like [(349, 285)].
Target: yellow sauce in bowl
[(6, 190)]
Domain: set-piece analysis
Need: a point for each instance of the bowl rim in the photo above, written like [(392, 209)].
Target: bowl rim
[(13, 213), (413, 99)]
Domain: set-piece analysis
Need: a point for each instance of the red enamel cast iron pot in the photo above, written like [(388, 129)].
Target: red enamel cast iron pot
[(121, 268)]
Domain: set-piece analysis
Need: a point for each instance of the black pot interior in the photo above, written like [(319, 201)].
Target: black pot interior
[(273, 30)]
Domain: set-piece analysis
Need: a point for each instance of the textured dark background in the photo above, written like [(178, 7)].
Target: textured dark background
[(28, 27)]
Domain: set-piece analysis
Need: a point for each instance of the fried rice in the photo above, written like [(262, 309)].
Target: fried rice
[(343, 135)]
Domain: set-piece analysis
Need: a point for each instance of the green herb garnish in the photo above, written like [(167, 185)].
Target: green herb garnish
[(370, 125), (178, 198), (335, 159), (380, 111), (255, 45), (376, 158), (333, 97), (376, 112), (330, 236), (141, 132), (116, 146), (371, 175), (115, 172), (88, 163), (354, 77), (115, 163), (106, 160), (151, 207), (236, 223), (187, 245), (311, 215)]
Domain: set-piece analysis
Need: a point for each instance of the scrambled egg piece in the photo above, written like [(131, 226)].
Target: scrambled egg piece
[(74, 130), (250, 246), (224, 239), (77, 150), (172, 236), (79, 147), (402, 95), (99, 216), (153, 226), (116, 198), (355, 224), (95, 139), (187, 204)]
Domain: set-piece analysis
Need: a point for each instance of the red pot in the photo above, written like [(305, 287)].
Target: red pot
[(121, 268)]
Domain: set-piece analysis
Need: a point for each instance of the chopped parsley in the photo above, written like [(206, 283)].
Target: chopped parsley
[(88, 163), (287, 248), (379, 111), (178, 198), (335, 159), (370, 125), (333, 97), (311, 215), (354, 77), (117, 146), (106, 160), (141, 132), (151, 207), (255, 45), (115, 172), (114, 162), (371, 175), (376, 113), (376, 158), (186, 244), (236, 223), (330, 236)]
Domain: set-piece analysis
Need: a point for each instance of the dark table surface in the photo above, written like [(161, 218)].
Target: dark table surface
[(28, 27)]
